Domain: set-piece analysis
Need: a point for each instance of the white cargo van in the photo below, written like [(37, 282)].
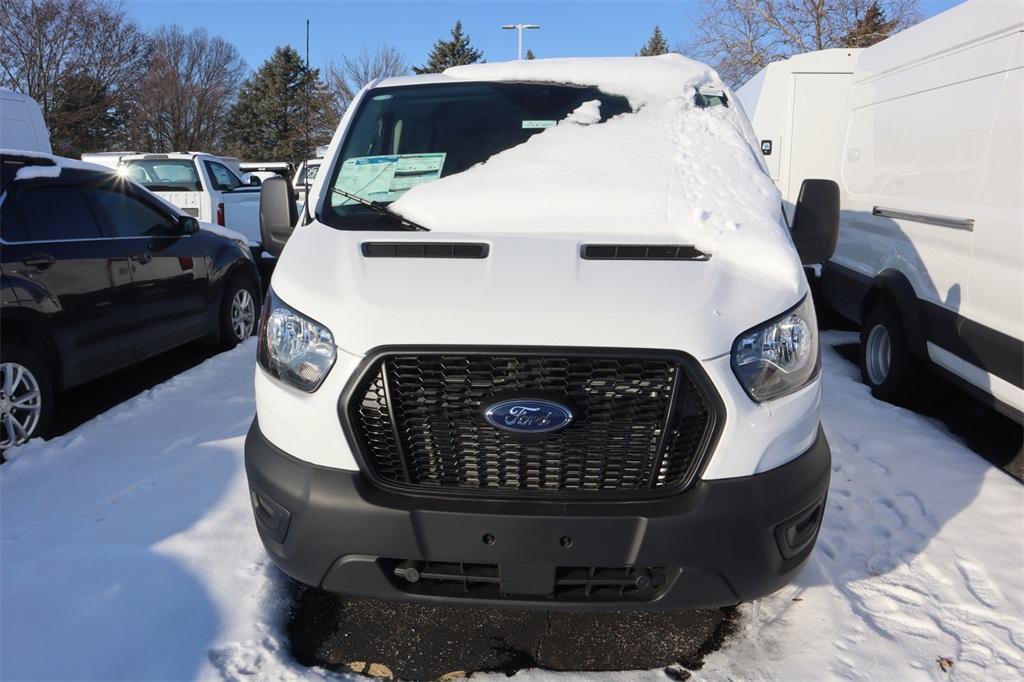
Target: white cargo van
[(928, 152), (546, 342), (203, 185), (797, 107), (931, 250), (21, 124)]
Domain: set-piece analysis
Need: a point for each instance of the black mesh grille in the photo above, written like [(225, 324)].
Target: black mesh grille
[(418, 421), (568, 583)]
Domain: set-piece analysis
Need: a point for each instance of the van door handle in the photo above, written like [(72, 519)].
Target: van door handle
[(144, 258), (40, 260)]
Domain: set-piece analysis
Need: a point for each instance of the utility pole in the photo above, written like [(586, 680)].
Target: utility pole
[(519, 28)]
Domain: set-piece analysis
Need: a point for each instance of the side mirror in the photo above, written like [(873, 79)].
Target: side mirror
[(187, 225), (277, 215), (816, 222), (255, 180)]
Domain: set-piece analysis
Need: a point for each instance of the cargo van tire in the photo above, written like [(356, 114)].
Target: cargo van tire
[(887, 364)]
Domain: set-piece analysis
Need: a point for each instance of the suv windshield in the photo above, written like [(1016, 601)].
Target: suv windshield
[(406, 136), (164, 175)]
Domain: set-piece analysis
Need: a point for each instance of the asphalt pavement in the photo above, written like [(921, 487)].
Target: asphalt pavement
[(420, 642)]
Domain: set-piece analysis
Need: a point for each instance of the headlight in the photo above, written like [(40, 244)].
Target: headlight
[(779, 356), (294, 348)]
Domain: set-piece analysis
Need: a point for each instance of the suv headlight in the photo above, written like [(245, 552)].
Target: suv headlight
[(779, 356), (293, 348)]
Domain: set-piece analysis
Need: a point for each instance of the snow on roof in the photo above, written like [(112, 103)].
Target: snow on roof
[(643, 80), (670, 170)]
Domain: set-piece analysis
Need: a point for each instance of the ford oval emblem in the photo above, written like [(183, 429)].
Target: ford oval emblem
[(528, 415)]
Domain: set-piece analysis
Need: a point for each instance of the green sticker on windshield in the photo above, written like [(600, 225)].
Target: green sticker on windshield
[(529, 125), (386, 178)]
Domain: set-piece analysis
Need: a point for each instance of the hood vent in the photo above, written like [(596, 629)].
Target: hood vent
[(425, 250), (641, 252)]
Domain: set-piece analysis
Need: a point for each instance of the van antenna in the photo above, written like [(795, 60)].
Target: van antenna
[(307, 150)]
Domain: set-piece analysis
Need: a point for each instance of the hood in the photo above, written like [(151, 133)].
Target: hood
[(684, 167), (531, 290)]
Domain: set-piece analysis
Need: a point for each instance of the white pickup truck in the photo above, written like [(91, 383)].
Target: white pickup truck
[(202, 185)]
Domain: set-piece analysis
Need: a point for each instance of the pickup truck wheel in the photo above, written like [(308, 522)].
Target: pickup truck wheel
[(26, 396), (887, 364), (239, 310)]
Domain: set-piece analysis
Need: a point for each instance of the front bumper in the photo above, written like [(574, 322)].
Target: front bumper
[(719, 543)]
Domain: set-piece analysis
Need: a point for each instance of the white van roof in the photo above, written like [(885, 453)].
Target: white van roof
[(21, 123), (836, 60), (972, 22)]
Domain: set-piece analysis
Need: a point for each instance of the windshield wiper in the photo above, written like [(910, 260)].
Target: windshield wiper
[(383, 210)]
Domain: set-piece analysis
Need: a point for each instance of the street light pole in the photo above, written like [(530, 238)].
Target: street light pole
[(519, 29)]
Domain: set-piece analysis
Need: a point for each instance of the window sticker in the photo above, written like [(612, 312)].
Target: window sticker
[(532, 125), (386, 178)]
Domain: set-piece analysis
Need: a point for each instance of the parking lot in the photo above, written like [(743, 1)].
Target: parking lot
[(654, 341), (147, 501)]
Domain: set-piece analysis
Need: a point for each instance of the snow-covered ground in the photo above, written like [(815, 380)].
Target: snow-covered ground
[(128, 551)]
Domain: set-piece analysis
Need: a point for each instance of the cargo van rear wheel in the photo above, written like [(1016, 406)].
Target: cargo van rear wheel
[(886, 363)]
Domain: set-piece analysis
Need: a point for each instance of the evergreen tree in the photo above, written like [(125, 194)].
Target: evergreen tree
[(870, 28), (84, 118), (530, 55), (270, 120), (454, 52), (656, 44)]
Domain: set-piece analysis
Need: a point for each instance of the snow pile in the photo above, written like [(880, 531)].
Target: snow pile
[(670, 171), (129, 550), (919, 559), (586, 114)]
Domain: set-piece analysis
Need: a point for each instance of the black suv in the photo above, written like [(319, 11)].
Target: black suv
[(97, 273)]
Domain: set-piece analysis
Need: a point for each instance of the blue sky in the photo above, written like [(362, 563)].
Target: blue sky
[(568, 27)]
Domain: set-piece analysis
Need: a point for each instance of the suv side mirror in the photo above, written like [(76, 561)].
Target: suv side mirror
[(816, 223), (277, 215), (187, 225)]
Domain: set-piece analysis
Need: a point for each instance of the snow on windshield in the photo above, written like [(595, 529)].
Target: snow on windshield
[(670, 170)]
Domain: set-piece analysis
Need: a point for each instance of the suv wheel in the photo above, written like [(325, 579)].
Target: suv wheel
[(887, 364), (26, 396), (238, 314)]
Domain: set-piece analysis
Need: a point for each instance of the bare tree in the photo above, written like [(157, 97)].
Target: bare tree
[(347, 77), (190, 86), (80, 59), (739, 37)]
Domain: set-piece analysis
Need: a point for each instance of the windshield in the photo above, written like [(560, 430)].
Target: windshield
[(164, 175), (406, 136)]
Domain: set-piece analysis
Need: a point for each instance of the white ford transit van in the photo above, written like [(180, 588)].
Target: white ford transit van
[(930, 258), (923, 133), (545, 341)]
